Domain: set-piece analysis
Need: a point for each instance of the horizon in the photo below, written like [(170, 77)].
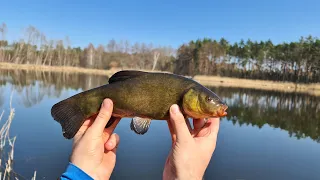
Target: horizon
[(163, 24)]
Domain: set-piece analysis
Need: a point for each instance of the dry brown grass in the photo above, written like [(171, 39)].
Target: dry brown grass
[(313, 89), (7, 171), (32, 67)]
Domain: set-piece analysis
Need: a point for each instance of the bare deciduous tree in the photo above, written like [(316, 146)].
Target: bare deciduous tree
[(156, 55), (3, 42)]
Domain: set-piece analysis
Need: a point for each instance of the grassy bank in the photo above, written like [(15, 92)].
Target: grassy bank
[(313, 89)]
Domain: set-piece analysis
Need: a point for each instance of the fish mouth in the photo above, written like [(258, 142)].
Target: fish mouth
[(222, 112)]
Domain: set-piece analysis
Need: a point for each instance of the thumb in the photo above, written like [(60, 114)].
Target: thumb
[(102, 119), (179, 124)]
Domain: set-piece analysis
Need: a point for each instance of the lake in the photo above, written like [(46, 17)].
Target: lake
[(266, 135)]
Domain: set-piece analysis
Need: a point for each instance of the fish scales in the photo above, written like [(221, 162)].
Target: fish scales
[(142, 96)]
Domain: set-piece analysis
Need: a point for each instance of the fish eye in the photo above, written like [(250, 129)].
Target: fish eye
[(209, 99)]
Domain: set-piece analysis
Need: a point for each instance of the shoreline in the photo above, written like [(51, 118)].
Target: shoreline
[(312, 89)]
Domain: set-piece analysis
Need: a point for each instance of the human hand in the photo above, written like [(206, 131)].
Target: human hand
[(94, 147), (192, 149)]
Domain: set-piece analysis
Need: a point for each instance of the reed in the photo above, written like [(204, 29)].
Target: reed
[(7, 145)]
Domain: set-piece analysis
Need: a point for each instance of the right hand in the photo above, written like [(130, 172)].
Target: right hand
[(192, 149)]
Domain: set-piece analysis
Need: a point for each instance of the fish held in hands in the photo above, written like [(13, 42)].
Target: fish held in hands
[(142, 96)]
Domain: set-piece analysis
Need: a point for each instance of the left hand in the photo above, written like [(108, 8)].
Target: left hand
[(94, 147)]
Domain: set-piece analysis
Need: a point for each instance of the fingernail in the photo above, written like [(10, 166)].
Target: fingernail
[(109, 144), (106, 104), (175, 109)]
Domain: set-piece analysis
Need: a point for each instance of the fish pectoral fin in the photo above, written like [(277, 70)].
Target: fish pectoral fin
[(140, 125)]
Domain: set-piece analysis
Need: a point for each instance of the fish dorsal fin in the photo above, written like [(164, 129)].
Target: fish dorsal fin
[(124, 75)]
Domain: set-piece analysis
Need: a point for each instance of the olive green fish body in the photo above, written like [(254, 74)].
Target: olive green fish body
[(150, 95), (135, 94)]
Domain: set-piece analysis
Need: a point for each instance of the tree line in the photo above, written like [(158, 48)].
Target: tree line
[(36, 48), (297, 61)]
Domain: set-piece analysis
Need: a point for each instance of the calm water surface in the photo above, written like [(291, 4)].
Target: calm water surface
[(267, 135)]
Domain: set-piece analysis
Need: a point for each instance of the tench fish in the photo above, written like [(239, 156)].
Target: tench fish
[(142, 96)]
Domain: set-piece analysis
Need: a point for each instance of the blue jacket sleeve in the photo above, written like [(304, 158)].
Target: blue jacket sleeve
[(73, 173)]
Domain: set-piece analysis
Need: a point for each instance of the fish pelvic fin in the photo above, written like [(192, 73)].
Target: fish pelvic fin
[(140, 125), (124, 75), (111, 121), (70, 117)]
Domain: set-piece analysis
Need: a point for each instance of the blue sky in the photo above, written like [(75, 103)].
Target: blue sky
[(163, 22)]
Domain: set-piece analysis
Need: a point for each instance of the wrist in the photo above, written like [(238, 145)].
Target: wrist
[(183, 176), (189, 176)]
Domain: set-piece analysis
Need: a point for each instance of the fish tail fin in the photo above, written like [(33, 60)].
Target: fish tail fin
[(70, 117)]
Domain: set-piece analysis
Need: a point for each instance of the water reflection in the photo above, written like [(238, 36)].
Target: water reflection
[(33, 86), (1, 96), (298, 114)]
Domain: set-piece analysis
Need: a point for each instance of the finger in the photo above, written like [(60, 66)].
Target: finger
[(112, 142), (114, 150), (210, 129), (214, 125), (179, 124), (84, 127), (103, 117), (198, 124), (87, 123), (173, 134)]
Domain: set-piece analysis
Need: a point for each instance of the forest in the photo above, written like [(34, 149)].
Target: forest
[(297, 61)]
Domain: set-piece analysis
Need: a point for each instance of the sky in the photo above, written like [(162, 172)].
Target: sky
[(163, 22)]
